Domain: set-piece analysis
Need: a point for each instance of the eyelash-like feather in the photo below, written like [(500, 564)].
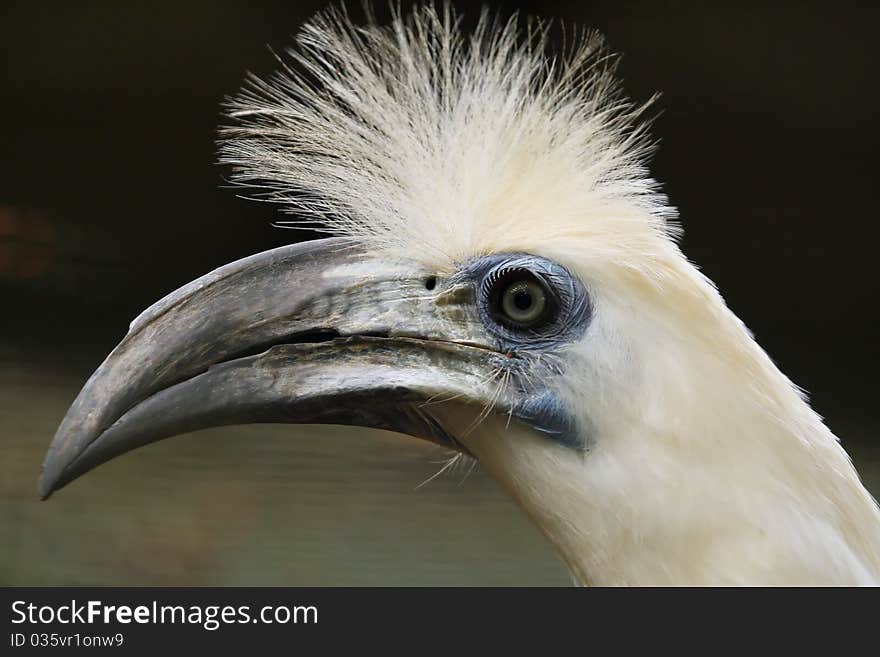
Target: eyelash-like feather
[(497, 275)]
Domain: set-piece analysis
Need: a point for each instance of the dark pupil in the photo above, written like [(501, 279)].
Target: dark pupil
[(522, 299)]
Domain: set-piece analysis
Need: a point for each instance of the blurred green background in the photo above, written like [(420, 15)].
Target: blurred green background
[(110, 197)]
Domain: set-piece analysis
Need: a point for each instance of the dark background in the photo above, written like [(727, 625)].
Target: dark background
[(110, 197)]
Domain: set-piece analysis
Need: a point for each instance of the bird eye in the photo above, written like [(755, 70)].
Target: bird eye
[(519, 299), (523, 302)]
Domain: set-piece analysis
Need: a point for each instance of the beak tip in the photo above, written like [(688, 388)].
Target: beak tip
[(61, 460), (50, 477), (44, 489), (45, 485)]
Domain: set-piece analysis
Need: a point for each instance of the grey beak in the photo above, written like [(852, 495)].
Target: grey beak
[(321, 332)]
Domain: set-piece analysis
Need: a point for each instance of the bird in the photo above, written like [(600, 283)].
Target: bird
[(501, 276)]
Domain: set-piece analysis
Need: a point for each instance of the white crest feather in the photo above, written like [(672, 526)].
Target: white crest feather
[(416, 134)]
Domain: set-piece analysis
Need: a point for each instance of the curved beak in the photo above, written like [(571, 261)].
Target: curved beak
[(320, 332)]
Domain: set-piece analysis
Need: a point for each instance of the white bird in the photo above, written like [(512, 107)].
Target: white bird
[(505, 280)]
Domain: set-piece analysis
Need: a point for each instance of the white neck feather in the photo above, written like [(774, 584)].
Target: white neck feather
[(729, 497)]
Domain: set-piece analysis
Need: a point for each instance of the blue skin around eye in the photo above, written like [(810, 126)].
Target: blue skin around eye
[(540, 406)]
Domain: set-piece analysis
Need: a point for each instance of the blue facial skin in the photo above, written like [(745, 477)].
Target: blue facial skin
[(540, 406), (546, 413)]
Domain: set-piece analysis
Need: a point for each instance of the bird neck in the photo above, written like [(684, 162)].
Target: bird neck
[(729, 495)]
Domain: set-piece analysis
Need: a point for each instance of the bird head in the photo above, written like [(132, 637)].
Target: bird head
[(503, 279)]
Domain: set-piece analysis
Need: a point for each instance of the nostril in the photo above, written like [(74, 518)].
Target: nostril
[(430, 282)]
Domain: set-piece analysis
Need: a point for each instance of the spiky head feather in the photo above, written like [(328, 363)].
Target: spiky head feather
[(418, 138)]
